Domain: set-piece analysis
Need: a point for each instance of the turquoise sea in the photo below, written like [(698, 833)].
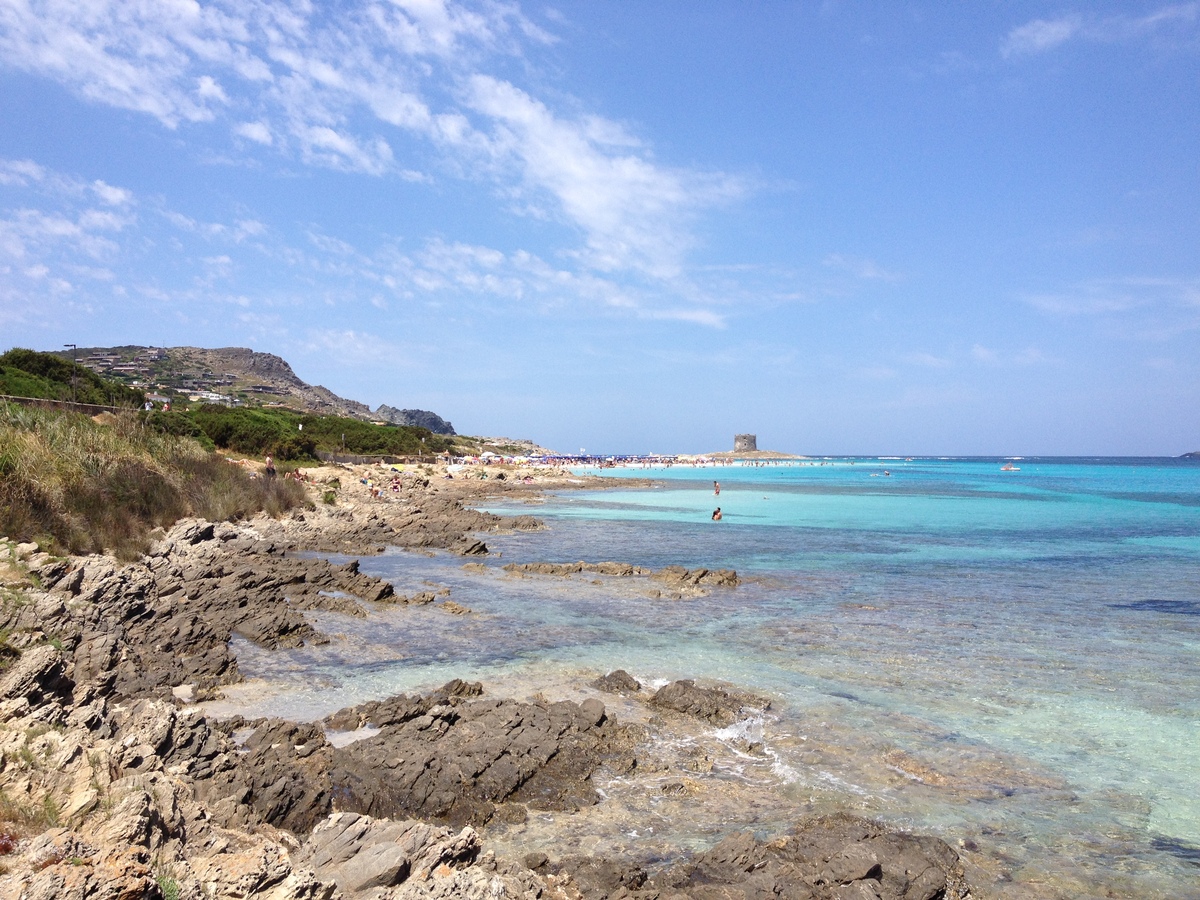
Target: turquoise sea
[(1010, 659)]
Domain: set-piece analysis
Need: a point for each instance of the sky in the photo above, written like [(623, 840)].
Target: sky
[(848, 228)]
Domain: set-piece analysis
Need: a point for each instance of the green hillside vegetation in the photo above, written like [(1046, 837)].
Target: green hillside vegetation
[(28, 373), (73, 484), (290, 435)]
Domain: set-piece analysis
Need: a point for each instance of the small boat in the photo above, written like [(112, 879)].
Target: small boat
[(1009, 467)]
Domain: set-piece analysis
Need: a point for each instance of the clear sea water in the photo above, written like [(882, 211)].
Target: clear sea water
[(1006, 659)]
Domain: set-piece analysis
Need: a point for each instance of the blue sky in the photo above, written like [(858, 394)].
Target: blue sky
[(917, 228)]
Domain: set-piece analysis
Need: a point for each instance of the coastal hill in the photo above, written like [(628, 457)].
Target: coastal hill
[(236, 376)]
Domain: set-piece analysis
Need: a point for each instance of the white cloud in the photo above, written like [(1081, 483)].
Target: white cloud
[(632, 211), (20, 171), (1115, 296), (113, 196), (985, 354), (866, 269), (207, 88), (340, 151), (101, 220), (259, 132), (1044, 35), (875, 373), (1030, 356), (329, 88), (34, 231), (927, 360), (695, 316), (350, 347), (1040, 35)]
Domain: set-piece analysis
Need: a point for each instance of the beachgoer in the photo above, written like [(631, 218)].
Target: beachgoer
[(716, 517), (716, 488), (270, 467)]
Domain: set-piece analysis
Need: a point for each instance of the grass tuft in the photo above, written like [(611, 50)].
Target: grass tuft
[(80, 486)]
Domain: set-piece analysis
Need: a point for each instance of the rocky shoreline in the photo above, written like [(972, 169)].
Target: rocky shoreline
[(115, 785)]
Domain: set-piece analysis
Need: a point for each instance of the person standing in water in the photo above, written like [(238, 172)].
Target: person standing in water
[(716, 516), (716, 488)]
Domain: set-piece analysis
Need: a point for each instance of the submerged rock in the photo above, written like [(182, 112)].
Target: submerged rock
[(838, 856)]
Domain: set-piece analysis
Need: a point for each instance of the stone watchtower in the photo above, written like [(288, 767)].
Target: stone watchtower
[(745, 443)]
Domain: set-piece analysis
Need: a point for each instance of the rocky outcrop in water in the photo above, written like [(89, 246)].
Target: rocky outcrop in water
[(470, 761), (679, 582), (713, 704), (840, 857)]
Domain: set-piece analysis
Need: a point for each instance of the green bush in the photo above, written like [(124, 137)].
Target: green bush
[(289, 435), (28, 373)]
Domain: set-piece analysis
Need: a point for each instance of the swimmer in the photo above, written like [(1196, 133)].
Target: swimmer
[(716, 516)]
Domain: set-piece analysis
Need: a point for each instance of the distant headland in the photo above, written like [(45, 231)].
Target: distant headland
[(234, 376)]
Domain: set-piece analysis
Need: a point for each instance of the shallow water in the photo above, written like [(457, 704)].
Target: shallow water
[(1007, 659)]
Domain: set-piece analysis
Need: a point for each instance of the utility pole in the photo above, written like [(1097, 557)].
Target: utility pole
[(73, 365)]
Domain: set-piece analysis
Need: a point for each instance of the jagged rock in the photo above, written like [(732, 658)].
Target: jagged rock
[(38, 677), (420, 418), (678, 575), (596, 878), (618, 682), (838, 856), (401, 708), (71, 872), (602, 568), (360, 853), (525, 523), (458, 763), (716, 705)]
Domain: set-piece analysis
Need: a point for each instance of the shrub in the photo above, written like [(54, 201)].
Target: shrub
[(28, 373), (82, 486)]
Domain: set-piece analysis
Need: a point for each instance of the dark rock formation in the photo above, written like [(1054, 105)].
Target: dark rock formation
[(467, 761), (618, 682), (713, 704), (839, 857), (420, 418)]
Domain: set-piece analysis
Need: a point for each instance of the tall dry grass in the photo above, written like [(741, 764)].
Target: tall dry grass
[(77, 485)]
